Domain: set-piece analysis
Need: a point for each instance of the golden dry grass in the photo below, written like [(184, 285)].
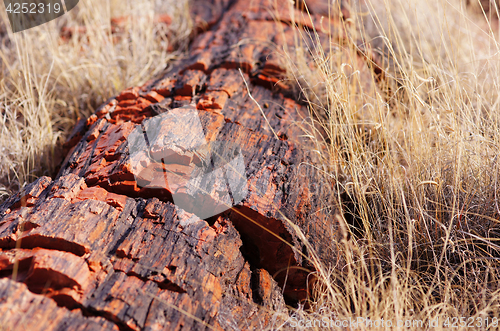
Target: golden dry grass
[(415, 165), (47, 83)]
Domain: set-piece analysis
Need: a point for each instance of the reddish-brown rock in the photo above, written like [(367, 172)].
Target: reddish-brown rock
[(22, 309), (178, 203), (144, 263)]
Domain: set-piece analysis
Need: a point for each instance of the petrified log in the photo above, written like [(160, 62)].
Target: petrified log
[(178, 204)]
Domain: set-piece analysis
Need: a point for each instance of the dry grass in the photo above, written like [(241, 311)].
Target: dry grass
[(416, 157), (46, 83)]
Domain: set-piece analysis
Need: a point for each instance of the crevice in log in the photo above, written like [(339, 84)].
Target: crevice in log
[(90, 312), (165, 285), (267, 244), (59, 244), (254, 281)]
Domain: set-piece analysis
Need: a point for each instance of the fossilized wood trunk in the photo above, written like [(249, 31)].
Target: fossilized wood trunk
[(123, 239)]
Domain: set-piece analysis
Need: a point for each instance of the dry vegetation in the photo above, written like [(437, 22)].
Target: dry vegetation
[(416, 158), (47, 82)]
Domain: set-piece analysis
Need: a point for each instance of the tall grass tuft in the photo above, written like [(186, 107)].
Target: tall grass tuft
[(413, 154)]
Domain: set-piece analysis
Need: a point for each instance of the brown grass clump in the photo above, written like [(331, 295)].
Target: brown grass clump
[(414, 157), (47, 82)]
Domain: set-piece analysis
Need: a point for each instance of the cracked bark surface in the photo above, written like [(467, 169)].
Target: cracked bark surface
[(103, 246)]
